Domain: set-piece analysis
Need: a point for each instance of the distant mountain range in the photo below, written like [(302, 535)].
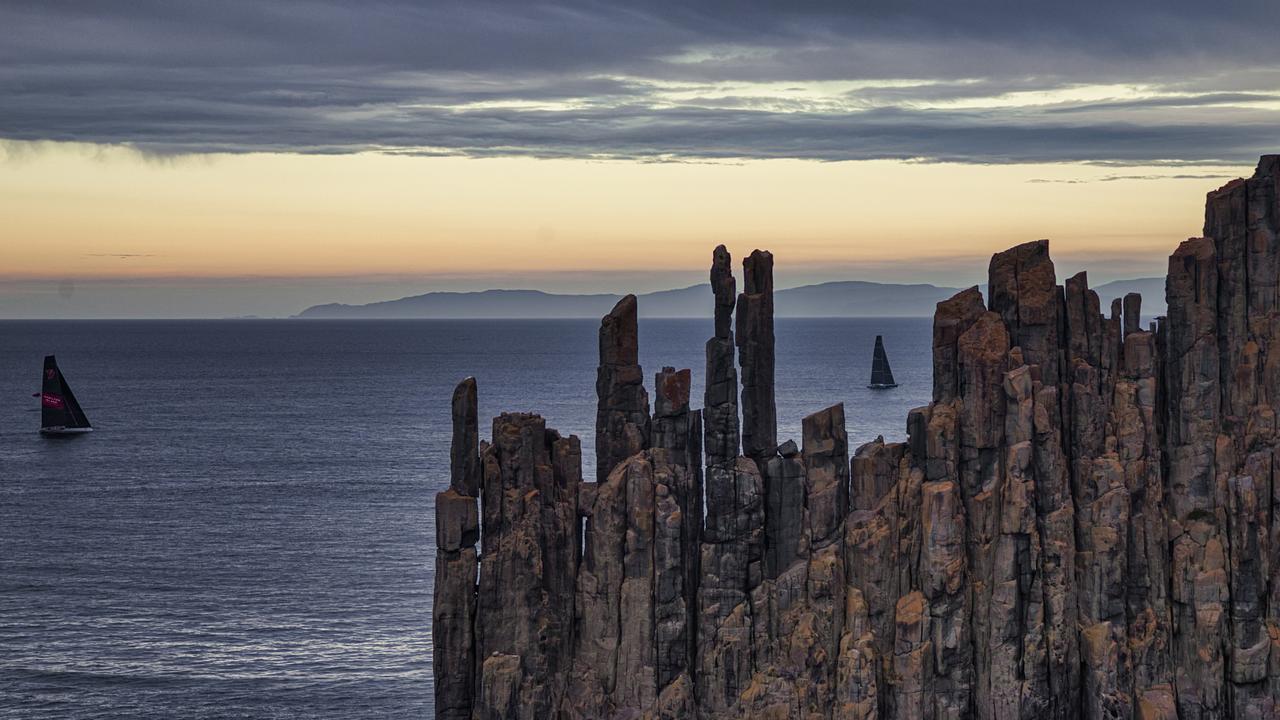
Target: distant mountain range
[(853, 298)]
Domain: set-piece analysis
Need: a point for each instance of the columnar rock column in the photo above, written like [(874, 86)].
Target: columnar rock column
[(799, 610), (457, 532), (633, 649), (1251, 397), (525, 610), (672, 419), (720, 402), (1132, 313), (622, 412), (1037, 321), (1021, 282), (732, 546), (873, 559), (1112, 347), (826, 482), (677, 434), (1196, 500), (778, 603), (732, 558), (1103, 504), (618, 600), (755, 350), (1136, 423), (1224, 390)]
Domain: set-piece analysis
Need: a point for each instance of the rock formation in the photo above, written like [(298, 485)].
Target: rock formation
[(1082, 524)]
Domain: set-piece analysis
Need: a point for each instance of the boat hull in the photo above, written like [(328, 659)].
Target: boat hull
[(64, 431), (881, 386)]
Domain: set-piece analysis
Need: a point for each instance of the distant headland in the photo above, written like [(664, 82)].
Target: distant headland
[(854, 298)]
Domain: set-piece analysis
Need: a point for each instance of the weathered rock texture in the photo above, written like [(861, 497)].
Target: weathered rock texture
[(1082, 524)]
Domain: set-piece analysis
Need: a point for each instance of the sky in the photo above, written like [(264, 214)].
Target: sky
[(165, 158)]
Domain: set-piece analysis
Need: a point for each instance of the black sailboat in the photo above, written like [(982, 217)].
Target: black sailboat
[(60, 414), (881, 375)]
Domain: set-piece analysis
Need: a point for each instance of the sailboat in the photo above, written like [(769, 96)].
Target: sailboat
[(60, 414), (881, 375)]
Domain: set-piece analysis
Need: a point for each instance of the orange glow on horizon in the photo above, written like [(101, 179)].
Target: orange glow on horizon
[(111, 213)]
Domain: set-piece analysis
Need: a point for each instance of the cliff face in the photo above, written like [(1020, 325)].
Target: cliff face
[(1082, 523)]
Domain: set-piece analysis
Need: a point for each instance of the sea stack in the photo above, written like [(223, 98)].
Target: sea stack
[(457, 532), (1082, 523)]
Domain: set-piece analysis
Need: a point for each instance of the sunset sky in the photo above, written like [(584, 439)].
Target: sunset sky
[(182, 159)]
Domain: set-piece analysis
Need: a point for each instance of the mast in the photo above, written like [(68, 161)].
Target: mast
[(881, 375)]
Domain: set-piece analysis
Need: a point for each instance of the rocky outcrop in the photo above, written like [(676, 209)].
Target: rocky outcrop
[(1082, 523)]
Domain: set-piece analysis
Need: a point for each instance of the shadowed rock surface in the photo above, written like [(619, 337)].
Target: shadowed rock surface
[(1082, 524)]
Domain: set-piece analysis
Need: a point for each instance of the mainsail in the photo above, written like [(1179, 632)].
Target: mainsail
[(58, 407), (881, 375)]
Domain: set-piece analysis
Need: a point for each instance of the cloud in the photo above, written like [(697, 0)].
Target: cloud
[(1115, 178), (985, 82)]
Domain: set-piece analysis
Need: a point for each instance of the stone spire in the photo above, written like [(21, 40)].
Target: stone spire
[(720, 401), (1132, 313), (457, 532), (464, 452), (756, 356), (622, 412)]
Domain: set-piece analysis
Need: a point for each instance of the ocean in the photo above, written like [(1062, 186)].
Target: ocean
[(249, 531)]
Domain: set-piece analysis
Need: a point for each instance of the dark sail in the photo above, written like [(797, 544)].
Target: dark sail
[(881, 375), (58, 406)]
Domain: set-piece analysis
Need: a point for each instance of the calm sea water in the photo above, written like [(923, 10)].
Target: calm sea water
[(249, 532)]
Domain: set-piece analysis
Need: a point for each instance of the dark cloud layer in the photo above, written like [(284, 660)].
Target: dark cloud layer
[(1123, 83)]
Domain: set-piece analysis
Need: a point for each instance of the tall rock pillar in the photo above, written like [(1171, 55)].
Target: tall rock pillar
[(677, 440), (457, 532), (826, 484), (720, 401), (622, 410), (756, 355), (733, 531), (1197, 501)]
